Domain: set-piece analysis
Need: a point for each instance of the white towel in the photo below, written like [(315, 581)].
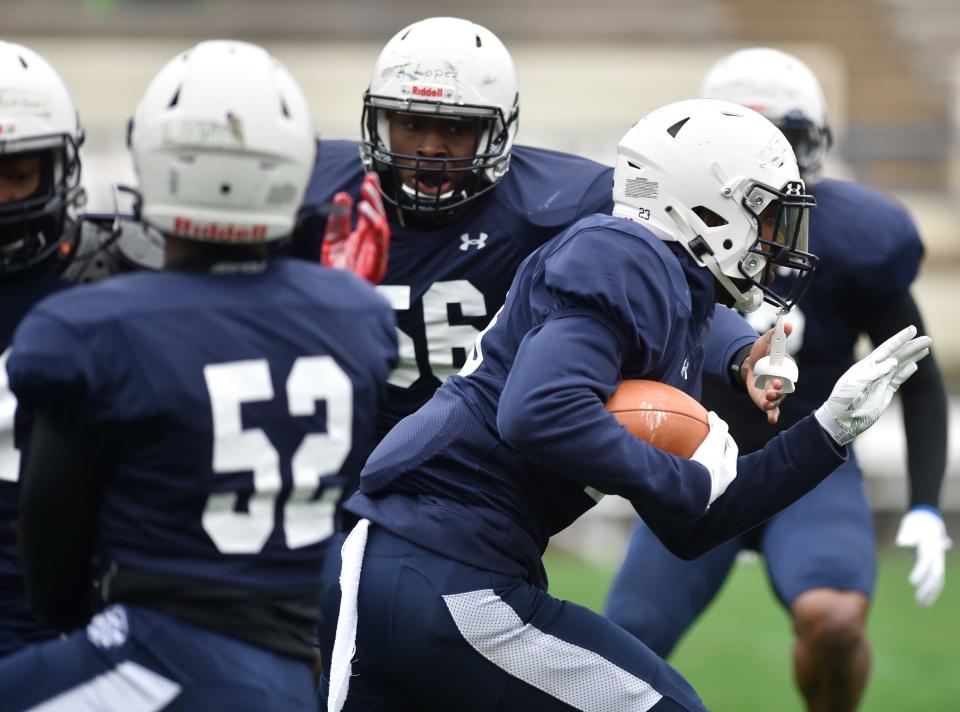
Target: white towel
[(345, 641)]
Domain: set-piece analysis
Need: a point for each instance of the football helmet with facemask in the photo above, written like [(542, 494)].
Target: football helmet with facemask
[(441, 67), (38, 120), (223, 145), (723, 182), (782, 88)]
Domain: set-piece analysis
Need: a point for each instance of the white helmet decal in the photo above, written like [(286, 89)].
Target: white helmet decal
[(223, 145), (705, 173)]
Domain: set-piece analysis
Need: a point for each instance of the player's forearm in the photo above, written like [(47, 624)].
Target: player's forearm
[(58, 504), (551, 410), (768, 481), (925, 415), (924, 402), (729, 333)]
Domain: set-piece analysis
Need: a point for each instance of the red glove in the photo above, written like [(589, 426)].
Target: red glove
[(364, 250)]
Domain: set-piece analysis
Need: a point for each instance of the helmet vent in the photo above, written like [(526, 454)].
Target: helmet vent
[(479, 43), (675, 129), (404, 36), (23, 62), (175, 99), (283, 108), (710, 218)]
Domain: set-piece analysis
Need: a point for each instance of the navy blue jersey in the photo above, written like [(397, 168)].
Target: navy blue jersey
[(518, 445), (870, 252), (446, 281), (233, 407)]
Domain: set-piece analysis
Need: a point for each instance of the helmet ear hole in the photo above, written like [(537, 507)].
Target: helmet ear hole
[(710, 219)]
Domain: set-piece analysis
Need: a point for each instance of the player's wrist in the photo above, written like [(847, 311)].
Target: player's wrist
[(837, 432), (738, 368)]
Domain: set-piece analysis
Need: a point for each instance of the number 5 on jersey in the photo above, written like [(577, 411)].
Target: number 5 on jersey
[(305, 520)]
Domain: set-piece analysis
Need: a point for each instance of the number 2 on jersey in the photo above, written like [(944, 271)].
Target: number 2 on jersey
[(235, 449)]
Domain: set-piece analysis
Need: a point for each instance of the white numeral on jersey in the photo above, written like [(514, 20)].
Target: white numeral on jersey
[(9, 457), (235, 449), (442, 337), (320, 454)]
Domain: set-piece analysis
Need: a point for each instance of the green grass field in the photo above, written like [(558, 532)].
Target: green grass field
[(738, 655)]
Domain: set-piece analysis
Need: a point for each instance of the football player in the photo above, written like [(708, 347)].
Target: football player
[(465, 205), (192, 428), (44, 247), (444, 594), (820, 552)]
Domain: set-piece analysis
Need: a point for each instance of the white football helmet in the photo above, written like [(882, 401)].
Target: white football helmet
[(37, 117), (782, 88), (223, 145), (706, 174), (446, 67)]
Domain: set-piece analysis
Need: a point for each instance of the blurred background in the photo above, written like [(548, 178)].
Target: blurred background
[(891, 73)]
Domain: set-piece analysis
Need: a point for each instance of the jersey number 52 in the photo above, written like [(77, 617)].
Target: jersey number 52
[(305, 520)]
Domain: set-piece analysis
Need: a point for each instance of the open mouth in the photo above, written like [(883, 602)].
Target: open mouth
[(433, 184)]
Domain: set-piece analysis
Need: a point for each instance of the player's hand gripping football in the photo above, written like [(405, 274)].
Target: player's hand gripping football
[(922, 528), (866, 389), (718, 453), (364, 249), (766, 393)]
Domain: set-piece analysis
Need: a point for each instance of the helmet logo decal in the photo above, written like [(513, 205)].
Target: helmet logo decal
[(642, 188), (24, 103), (427, 91), (218, 232), (205, 134)]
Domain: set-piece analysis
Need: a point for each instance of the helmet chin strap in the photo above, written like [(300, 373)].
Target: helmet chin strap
[(745, 302)]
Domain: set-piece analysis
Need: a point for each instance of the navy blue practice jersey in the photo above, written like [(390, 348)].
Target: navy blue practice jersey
[(17, 623), (446, 281), (233, 408), (593, 331), (870, 251), (519, 444)]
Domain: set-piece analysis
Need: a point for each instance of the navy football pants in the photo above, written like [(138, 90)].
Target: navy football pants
[(823, 540), (132, 659), (435, 634)]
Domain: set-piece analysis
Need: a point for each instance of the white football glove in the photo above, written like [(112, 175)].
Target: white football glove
[(866, 389), (718, 453), (923, 529)]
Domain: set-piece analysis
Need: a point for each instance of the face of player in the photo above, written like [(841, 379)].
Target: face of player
[(19, 177), (420, 136)]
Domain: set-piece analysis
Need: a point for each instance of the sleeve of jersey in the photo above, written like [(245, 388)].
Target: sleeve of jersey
[(552, 405), (728, 333), (50, 368), (894, 258), (768, 480), (598, 198)]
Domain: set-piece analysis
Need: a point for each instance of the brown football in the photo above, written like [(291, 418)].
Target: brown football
[(661, 415)]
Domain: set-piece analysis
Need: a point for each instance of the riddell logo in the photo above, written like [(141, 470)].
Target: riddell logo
[(219, 232), (426, 91)]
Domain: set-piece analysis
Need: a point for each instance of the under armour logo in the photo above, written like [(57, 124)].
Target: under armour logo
[(466, 242), (683, 368)]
